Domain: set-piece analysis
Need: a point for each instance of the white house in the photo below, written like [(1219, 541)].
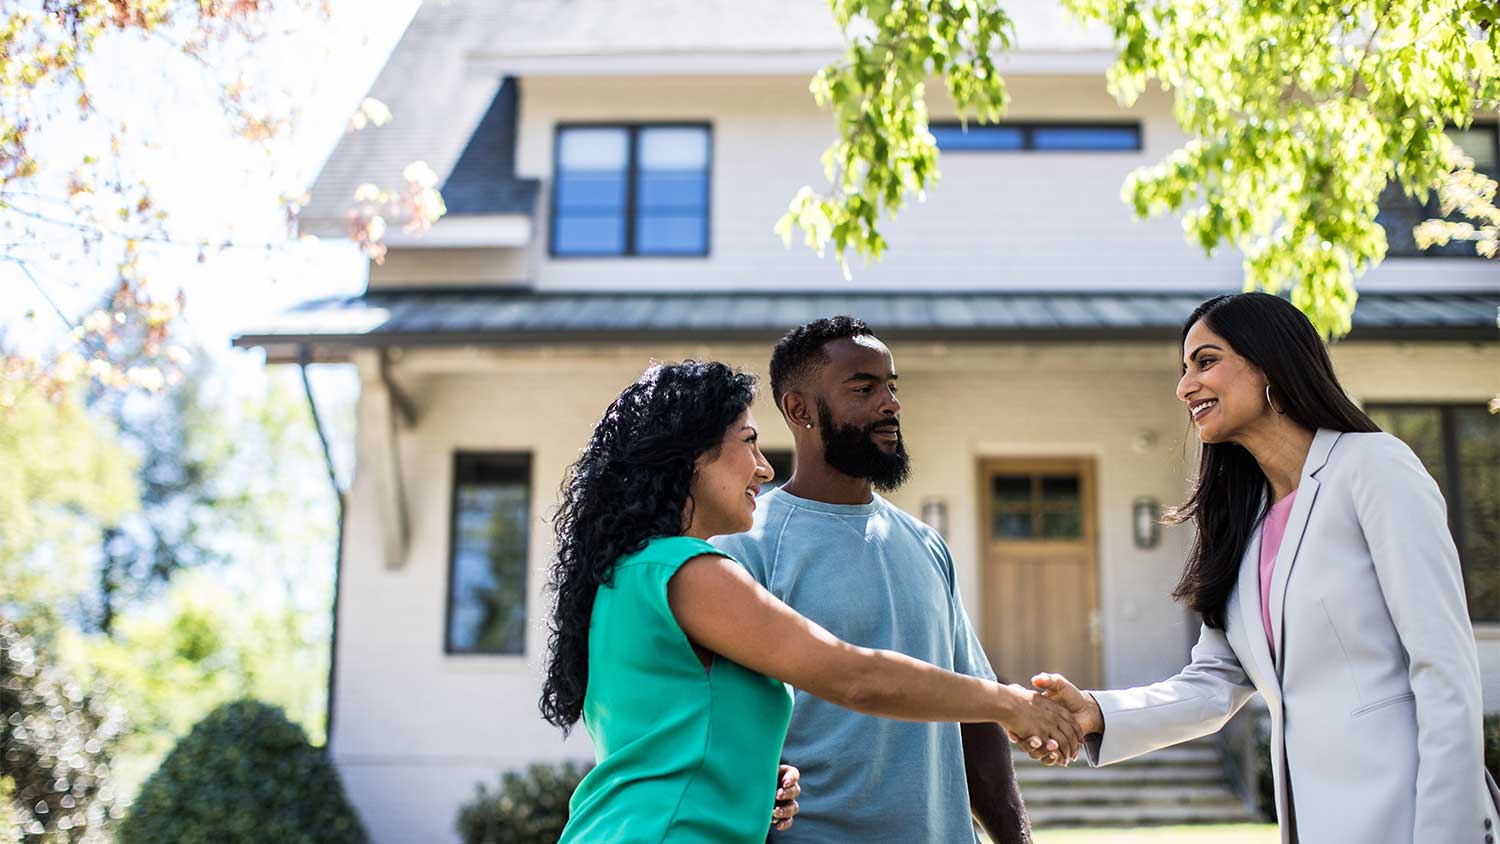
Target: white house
[(612, 172)]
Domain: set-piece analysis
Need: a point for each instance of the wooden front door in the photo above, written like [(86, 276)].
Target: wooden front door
[(1041, 569)]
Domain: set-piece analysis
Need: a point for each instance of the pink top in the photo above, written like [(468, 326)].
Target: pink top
[(1271, 532)]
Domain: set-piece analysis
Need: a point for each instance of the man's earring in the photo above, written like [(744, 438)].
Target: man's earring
[(809, 426)]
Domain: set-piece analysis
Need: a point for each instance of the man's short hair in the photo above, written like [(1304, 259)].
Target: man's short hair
[(798, 355)]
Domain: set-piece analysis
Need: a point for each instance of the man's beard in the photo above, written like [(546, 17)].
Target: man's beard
[(852, 450)]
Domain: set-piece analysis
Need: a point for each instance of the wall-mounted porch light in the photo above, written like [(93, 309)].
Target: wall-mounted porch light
[(1146, 522), (935, 515)]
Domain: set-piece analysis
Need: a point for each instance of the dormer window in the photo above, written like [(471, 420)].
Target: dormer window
[(638, 190)]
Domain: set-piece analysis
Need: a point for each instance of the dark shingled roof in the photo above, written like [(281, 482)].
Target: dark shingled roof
[(484, 179), (500, 316)]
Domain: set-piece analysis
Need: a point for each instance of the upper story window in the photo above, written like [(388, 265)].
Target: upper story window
[(631, 190), (1038, 137), (1399, 213), (487, 567)]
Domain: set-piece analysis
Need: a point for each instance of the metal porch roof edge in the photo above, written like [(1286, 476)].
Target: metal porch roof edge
[(512, 316)]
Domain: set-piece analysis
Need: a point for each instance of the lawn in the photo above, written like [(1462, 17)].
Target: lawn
[(1235, 834)]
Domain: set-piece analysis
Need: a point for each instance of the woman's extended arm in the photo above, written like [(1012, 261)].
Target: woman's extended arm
[(721, 608)]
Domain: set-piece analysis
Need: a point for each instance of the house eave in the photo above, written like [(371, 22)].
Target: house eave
[(454, 231), (328, 348), (698, 63)]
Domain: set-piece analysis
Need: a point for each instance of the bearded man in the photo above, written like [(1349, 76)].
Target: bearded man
[(871, 574)]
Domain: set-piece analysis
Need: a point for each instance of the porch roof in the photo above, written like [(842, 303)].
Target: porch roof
[(510, 316)]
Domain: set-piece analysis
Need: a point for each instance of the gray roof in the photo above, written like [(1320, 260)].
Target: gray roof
[(484, 179), (508, 316)]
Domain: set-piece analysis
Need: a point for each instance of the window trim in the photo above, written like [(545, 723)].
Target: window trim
[(632, 175), (1448, 441), (1028, 129), (525, 467)]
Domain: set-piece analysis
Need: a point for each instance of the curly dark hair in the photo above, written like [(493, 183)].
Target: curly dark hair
[(801, 350), (631, 484)]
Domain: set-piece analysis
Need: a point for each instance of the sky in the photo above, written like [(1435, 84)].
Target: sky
[(213, 185)]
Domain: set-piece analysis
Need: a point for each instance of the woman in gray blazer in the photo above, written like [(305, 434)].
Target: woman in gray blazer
[(1355, 629)]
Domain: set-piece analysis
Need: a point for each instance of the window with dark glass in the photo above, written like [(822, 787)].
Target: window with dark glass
[(1039, 137), (631, 190), (1400, 214), (1036, 506), (1460, 447), (487, 565)]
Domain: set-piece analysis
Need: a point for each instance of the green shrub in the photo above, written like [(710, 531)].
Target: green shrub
[(56, 738), (1492, 744), (244, 775), (529, 808)]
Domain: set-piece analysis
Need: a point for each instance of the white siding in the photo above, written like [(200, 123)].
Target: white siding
[(995, 220)]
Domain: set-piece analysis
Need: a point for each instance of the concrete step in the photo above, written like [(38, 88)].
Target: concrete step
[(1182, 754), (1053, 817), (1137, 795), (1187, 774), (1175, 785)]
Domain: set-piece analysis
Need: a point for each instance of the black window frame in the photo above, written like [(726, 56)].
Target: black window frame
[(523, 467), (1028, 135), (1453, 490), (632, 177), (1395, 200)]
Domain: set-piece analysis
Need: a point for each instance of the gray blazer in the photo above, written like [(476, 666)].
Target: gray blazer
[(1374, 692)]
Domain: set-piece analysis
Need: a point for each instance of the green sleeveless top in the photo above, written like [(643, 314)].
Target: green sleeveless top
[(686, 754)]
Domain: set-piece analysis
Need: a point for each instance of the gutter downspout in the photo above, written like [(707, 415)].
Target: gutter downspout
[(304, 358)]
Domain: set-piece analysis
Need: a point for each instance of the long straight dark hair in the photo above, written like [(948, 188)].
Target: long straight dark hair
[(1230, 491)]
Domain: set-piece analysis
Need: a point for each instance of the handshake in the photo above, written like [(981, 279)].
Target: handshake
[(1050, 724)]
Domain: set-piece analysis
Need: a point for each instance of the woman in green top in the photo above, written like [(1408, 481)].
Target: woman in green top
[(675, 658)]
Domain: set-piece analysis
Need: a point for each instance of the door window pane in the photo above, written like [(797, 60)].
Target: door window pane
[(1012, 525), (1036, 506), (1067, 524), (1060, 490), (1013, 490)]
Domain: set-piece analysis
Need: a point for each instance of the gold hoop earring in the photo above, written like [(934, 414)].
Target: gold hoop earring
[(1270, 403)]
